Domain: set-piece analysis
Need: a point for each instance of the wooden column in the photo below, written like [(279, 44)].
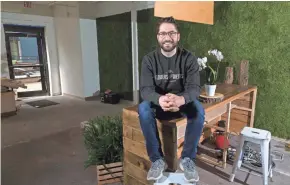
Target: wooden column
[(229, 75), (244, 72)]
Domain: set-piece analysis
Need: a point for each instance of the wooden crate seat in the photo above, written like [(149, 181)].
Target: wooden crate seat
[(136, 161)]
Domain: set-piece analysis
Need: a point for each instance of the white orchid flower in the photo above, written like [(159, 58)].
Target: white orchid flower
[(219, 56), (199, 61), (202, 63), (213, 52)]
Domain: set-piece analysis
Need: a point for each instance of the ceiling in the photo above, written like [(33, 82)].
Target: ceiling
[(49, 3)]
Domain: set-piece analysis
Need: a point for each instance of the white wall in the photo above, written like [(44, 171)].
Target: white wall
[(4, 63), (94, 10), (18, 7), (67, 28), (51, 47), (90, 56), (71, 48)]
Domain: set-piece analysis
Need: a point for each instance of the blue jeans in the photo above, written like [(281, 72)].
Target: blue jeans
[(195, 120)]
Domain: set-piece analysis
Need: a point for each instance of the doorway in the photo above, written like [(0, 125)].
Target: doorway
[(27, 61)]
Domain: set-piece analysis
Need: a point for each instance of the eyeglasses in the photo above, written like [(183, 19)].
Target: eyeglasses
[(170, 34)]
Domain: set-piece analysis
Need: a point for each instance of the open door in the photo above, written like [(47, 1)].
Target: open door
[(26, 55)]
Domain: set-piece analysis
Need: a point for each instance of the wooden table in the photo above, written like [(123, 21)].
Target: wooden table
[(237, 108)]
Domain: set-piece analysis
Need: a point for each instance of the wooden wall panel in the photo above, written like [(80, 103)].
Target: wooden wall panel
[(129, 180), (137, 160), (135, 148), (192, 11), (136, 172)]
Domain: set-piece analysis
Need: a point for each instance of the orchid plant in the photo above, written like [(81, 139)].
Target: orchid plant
[(202, 62)]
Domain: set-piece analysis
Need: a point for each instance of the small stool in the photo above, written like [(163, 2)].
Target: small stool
[(258, 136)]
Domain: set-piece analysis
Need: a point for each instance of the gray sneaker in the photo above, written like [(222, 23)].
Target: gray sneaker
[(156, 170), (189, 169)]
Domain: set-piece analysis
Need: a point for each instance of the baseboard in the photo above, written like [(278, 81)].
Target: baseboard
[(88, 98), (73, 96), (57, 94), (92, 98), (8, 114)]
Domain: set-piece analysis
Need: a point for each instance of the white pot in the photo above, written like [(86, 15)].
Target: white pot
[(210, 90)]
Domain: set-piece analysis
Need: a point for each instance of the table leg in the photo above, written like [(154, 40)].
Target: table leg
[(253, 107), (227, 130)]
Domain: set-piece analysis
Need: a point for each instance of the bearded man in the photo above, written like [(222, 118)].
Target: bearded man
[(170, 86)]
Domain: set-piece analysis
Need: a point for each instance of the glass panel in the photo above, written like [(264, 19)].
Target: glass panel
[(24, 51), (30, 76)]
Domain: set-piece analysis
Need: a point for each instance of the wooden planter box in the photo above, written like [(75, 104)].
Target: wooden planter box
[(110, 173)]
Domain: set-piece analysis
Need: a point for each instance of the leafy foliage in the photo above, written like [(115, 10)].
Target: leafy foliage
[(103, 140), (254, 31)]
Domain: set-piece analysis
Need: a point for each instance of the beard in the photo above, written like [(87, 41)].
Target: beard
[(167, 46)]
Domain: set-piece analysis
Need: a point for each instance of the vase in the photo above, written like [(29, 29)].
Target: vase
[(210, 90)]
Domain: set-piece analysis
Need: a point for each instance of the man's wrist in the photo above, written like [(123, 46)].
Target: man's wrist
[(186, 98), (156, 99), (183, 100)]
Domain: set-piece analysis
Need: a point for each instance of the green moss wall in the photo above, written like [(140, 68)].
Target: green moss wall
[(255, 31), (115, 54)]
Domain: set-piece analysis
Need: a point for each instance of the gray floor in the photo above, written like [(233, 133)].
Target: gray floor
[(54, 159), (45, 147), (31, 123)]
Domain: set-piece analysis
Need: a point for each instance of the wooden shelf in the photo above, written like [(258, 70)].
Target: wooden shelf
[(215, 113), (244, 108)]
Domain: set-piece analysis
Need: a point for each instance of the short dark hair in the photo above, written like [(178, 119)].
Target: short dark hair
[(167, 20)]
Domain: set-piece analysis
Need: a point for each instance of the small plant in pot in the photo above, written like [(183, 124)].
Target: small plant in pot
[(211, 73), (103, 139)]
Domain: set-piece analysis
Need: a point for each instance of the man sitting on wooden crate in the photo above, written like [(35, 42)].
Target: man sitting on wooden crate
[(170, 86)]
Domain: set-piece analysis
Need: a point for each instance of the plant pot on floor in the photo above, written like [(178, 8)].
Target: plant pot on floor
[(103, 139), (210, 90), (110, 173)]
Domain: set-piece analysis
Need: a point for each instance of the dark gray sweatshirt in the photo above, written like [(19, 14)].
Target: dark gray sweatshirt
[(178, 75)]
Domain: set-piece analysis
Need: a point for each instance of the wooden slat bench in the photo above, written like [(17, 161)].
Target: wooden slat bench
[(237, 108)]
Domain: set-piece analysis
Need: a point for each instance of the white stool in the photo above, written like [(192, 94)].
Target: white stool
[(258, 136), (173, 178)]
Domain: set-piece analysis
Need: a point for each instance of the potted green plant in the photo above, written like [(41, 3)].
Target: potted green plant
[(211, 73), (103, 140)]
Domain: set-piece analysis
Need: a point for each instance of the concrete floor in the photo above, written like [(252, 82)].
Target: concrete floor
[(45, 147), (50, 160), (32, 123), (212, 175)]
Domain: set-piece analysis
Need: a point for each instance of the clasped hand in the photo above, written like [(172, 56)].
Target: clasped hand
[(171, 102)]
